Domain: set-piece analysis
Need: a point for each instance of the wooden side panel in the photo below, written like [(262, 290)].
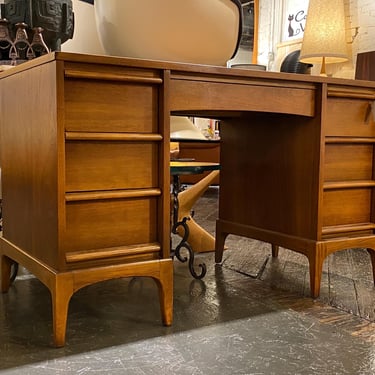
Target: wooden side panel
[(29, 161)]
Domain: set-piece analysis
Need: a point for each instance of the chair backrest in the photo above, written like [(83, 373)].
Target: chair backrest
[(291, 64), (193, 31)]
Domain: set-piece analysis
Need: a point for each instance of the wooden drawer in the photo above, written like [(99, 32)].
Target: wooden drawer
[(100, 224), (299, 99), (350, 117), (110, 106), (346, 206), (108, 165), (348, 162)]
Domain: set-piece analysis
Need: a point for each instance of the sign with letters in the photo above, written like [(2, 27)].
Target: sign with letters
[(294, 19)]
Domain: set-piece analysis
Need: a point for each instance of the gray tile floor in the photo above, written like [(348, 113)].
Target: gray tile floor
[(228, 323)]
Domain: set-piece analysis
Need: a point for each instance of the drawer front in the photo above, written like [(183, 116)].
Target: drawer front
[(110, 223), (109, 106), (348, 162), (298, 100), (351, 206), (94, 165), (350, 117)]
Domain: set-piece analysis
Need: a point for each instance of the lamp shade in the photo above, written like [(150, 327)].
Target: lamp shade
[(324, 35), (183, 129)]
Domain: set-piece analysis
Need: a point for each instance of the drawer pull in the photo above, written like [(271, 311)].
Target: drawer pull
[(370, 111)]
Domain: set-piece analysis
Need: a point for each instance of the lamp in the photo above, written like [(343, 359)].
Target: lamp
[(183, 129), (324, 36)]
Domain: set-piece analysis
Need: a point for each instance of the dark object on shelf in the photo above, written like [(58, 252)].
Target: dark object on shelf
[(291, 64), (365, 67), (55, 17)]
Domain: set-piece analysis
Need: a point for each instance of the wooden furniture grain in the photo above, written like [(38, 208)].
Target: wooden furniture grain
[(365, 66), (85, 167), (302, 182)]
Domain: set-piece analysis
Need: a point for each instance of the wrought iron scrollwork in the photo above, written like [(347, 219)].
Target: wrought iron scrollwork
[(184, 243)]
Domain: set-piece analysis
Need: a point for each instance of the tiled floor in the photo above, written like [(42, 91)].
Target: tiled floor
[(229, 323)]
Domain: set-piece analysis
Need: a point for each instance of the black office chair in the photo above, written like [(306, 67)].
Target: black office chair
[(291, 64)]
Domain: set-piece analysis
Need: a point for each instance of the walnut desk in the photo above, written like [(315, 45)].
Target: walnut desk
[(85, 167)]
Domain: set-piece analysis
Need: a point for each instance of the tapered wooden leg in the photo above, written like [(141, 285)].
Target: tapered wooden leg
[(316, 268), (275, 251), (165, 285), (61, 293), (372, 256), (219, 242), (6, 264)]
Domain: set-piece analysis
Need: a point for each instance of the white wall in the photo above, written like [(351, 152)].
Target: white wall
[(85, 38)]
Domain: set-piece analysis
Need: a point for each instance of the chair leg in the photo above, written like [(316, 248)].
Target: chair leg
[(199, 239)]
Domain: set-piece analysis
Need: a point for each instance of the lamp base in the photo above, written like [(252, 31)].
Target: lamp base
[(323, 68)]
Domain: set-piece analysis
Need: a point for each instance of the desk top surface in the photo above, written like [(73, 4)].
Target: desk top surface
[(177, 68)]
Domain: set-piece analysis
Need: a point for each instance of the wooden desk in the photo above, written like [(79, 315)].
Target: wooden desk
[(85, 166)]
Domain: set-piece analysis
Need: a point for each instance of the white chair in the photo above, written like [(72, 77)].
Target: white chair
[(192, 31)]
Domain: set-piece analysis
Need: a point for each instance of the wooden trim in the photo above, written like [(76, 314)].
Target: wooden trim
[(348, 184), (112, 194), (69, 73), (347, 228), (89, 136), (348, 140), (89, 255), (342, 92)]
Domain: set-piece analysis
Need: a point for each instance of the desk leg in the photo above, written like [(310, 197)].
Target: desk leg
[(61, 292), (372, 255), (6, 265), (221, 236)]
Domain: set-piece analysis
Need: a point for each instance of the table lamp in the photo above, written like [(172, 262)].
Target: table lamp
[(324, 36)]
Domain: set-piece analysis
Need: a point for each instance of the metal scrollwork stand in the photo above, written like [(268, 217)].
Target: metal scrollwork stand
[(183, 244)]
